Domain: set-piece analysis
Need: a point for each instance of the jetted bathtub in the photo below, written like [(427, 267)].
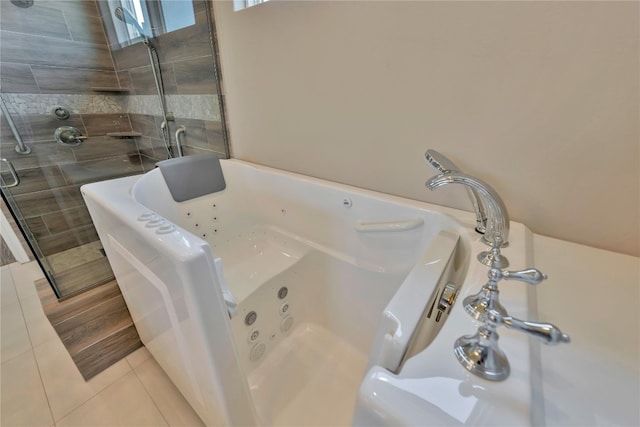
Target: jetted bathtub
[(289, 300)]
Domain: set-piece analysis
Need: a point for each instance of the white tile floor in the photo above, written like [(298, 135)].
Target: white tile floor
[(41, 386)]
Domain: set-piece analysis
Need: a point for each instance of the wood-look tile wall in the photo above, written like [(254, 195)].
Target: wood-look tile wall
[(59, 47), (187, 66), (56, 45)]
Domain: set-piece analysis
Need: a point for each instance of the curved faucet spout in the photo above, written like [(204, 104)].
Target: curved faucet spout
[(497, 215), (443, 165)]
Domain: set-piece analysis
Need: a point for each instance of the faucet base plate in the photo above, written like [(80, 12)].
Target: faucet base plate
[(482, 358), (487, 258)]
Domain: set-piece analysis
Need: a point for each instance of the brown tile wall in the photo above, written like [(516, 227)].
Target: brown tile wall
[(201, 137), (187, 66), (50, 177), (54, 46), (59, 47)]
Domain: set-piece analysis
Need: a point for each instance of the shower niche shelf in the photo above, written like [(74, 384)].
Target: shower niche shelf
[(110, 89), (128, 134)]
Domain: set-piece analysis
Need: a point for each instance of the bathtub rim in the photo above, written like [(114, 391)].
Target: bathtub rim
[(464, 218)]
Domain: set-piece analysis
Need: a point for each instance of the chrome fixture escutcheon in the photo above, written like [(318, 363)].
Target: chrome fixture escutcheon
[(60, 112), (480, 353), (68, 136)]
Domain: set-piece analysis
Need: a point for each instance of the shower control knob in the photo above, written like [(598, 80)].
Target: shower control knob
[(68, 136)]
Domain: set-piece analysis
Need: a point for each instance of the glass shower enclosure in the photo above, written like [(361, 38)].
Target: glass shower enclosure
[(93, 90)]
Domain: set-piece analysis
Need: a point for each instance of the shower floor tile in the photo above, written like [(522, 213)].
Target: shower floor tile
[(75, 257), (83, 277), (79, 268)]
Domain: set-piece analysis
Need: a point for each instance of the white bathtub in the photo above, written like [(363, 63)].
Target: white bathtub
[(350, 342)]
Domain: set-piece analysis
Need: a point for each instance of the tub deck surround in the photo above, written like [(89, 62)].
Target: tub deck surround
[(432, 389), (595, 380), (312, 265)]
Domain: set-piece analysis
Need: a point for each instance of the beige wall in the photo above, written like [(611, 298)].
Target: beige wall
[(540, 99)]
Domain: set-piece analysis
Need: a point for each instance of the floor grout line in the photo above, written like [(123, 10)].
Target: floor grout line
[(40, 376), (44, 388), (147, 392), (33, 353), (91, 397)]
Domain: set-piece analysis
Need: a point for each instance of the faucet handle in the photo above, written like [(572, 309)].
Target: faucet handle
[(480, 353), (532, 276), (545, 332)]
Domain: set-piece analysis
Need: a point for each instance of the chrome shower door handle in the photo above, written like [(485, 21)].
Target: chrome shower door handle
[(14, 174)]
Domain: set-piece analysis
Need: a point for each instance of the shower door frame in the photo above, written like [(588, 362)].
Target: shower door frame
[(42, 261)]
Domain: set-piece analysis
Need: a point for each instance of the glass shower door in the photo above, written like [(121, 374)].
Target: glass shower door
[(126, 75), (26, 234), (43, 194)]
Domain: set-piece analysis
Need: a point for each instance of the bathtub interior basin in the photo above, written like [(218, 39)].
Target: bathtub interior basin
[(341, 294), (308, 305)]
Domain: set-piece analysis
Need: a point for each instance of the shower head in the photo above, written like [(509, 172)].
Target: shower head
[(127, 17)]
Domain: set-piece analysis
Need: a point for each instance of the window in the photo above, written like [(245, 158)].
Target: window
[(148, 18), (243, 4)]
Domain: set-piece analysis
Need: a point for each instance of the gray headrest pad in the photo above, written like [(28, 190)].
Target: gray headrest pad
[(192, 176)]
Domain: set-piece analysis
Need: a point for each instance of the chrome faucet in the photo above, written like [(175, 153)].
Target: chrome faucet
[(443, 165), (497, 215), (480, 353)]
